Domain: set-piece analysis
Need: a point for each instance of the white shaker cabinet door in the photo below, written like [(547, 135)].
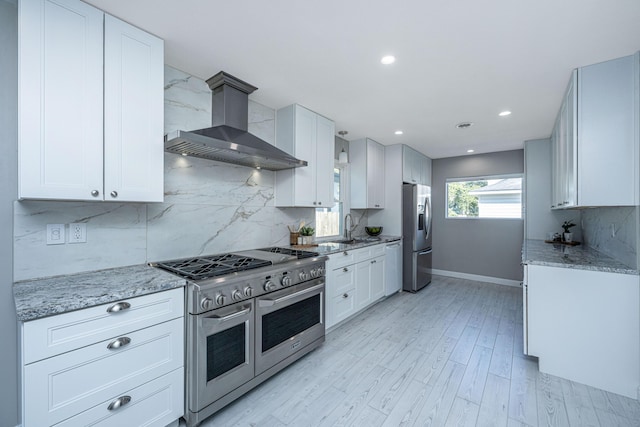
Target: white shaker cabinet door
[(325, 149), (134, 113), (305, 149), (61, 100)]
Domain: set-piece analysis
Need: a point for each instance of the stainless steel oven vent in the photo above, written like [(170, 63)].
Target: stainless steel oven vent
[(228, 139)]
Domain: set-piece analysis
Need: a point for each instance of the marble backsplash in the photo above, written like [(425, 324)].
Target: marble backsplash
[(209, 207), (597, 233)]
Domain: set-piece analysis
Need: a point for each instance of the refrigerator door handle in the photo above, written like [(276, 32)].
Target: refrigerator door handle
[(427, 229), (428, 251)]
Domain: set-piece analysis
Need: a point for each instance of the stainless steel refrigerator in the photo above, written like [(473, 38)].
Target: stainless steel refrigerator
[(416, 232)]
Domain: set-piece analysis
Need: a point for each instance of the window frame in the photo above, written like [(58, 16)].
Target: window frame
[(345, 184), (486, 178)]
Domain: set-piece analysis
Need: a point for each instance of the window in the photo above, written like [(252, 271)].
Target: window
[(485, 197), (329, 221)]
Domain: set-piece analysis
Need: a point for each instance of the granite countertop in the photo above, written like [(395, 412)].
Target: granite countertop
[(328, 248), (55, 295), (537, 252)]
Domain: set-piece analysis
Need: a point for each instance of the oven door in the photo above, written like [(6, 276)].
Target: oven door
[(221, 353), (287, 321)]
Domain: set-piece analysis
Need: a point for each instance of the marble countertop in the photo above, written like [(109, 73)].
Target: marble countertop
[(328, 248), (537, 252), (55, 295)]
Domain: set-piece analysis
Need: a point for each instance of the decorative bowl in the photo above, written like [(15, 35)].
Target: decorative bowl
[(373, 231)]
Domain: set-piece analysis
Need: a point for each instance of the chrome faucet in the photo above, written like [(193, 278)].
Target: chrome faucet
[(348, 226)]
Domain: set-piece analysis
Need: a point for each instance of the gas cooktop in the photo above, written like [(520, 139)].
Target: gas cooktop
[(206, 267)]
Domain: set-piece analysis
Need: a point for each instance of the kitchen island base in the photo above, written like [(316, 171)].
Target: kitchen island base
[(585, 326)]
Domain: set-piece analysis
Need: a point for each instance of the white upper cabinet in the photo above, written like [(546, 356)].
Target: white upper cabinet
[(91, 105), (416, 167), (595, 142), (307, 136), (367, 174)]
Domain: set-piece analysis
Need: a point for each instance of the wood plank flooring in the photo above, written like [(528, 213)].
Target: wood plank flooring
[(450, 355)]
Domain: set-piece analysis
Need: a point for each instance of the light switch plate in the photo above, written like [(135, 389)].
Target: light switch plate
[(55, 234)]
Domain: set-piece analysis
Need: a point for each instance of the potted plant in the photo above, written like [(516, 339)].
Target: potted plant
[(568, 235), (307, 233)]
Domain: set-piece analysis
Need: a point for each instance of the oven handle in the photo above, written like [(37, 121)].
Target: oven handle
[(219, 319), (266, 302)]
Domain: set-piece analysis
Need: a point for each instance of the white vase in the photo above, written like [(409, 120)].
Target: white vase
[(568, 237)]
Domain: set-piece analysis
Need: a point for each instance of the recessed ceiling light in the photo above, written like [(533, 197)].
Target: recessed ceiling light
[(398, 132), (470, 151), (389, 59), (464, 125), (504, 113)]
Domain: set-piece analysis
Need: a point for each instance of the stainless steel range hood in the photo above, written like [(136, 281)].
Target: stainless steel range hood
[(228, 139)]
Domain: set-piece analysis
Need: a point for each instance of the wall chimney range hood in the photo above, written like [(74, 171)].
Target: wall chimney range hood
[(228, 139)]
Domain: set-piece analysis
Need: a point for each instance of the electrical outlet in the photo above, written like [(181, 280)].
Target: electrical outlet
[(78, 232), (55, 234)]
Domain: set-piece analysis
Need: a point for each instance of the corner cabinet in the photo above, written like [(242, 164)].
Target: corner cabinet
[(114, 364), (596, 142), (367, 174), (311, 137), (91, 109)]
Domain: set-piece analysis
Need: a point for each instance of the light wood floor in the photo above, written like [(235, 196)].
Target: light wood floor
[(450, 355)]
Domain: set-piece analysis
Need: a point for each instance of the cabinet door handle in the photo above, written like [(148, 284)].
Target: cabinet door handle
[(121, 401), (118, 343), (345, 269), (374, 261), (114, 194), (115, 308), (319, 203), (315, 203), (95, 193), (345, 295), (345, 253)]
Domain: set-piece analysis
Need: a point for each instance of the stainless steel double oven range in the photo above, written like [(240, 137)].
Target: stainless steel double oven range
[(249, 315)]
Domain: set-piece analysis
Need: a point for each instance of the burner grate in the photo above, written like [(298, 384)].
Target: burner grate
[(201, 268), (292, 252)]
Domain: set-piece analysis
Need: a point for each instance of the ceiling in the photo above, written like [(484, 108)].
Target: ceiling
[(457, 60)]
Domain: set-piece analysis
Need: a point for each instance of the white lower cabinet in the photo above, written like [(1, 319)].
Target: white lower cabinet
[(355, 280), (584, 326), (135, 374)]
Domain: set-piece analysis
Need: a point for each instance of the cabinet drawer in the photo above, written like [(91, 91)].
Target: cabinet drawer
[(54, 335), (341, 259), (363, 254), (343, 279), (377, 250), (156, 403), (68, 384)]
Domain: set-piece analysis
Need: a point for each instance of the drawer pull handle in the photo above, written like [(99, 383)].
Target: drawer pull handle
[(345, 295), (346, 253), (345, 269), (120, 342), (118, 307), (121, 401), (374, 261)]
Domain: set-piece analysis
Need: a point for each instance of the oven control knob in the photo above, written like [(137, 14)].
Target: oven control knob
[(236, 295), (286, 281), (206, 303), (220, 299), (303, 275), (321, 271), (269, 286), (248, 291)]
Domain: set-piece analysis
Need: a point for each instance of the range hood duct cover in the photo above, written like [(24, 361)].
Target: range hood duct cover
[(228, 139)]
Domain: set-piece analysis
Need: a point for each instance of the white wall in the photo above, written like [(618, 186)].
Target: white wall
[(8, 191)]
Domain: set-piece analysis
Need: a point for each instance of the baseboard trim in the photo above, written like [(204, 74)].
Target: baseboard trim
[(477, 277)]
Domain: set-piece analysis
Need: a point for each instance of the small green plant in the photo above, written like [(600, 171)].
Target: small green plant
[(567, 226), (307, 231)]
